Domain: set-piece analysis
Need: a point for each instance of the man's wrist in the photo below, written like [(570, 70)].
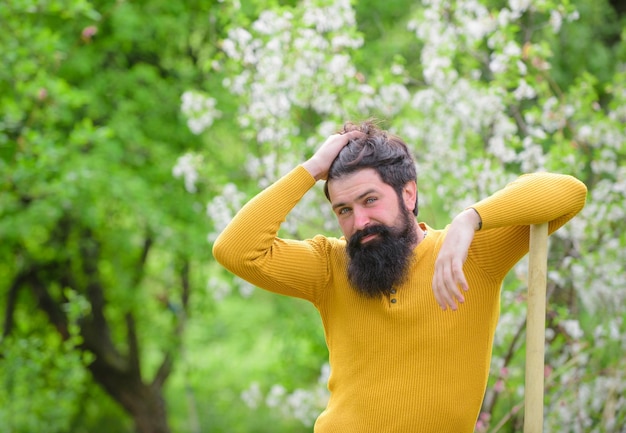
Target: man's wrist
[(470, 216), (313, 168), (479, 220)]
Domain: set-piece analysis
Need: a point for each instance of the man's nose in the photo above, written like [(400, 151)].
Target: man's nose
[(361, 219)]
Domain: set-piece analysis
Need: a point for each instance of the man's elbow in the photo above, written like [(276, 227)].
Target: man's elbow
[(579, 192), (221, 252)]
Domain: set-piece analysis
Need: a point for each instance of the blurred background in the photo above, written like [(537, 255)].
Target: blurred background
[(131, 131)]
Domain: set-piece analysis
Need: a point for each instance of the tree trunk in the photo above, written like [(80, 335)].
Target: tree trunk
[(118, 373), (144, 402)]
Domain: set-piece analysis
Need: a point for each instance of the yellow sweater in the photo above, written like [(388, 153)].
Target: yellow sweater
[(398, 364)]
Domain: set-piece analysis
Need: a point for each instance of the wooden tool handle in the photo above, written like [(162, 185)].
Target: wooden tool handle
[(535, 328)]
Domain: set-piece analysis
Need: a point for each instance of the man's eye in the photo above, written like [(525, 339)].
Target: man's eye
[(343, 210), (370, 200)]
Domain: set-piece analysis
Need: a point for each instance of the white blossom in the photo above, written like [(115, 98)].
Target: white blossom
[(200, 110), (331, 18), (275, 396), (512, 49), (498, 64), (518, 7), (252, 396), (556, 20), (222, 208), (573, 329), (187, 168)]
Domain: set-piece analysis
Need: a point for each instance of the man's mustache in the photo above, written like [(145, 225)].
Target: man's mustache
[(377, 229)]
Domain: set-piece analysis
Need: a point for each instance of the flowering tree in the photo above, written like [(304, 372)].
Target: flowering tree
[(482, 96), (99, 248)]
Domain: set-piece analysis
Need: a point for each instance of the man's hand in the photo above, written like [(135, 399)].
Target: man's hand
[(319, 164), (449, 278)]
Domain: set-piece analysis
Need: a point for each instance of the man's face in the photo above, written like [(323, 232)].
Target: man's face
[(360, 199), (380, 229)]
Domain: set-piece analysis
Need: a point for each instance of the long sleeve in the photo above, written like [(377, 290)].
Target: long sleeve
[(506, 216), (532, 199), (250, 248)]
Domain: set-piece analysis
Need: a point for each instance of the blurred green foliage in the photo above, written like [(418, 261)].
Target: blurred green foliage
[(104, 254)]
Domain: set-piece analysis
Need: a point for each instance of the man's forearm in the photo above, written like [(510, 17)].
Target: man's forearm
[(253, 230)]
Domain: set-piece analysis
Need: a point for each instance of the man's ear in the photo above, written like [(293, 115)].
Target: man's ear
[(409, 195)]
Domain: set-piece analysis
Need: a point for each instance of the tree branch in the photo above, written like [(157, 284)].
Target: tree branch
[(9, 309), (37, 278), (181, 315), (133, 345)]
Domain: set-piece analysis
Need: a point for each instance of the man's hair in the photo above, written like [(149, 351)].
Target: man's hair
[(384, 152)]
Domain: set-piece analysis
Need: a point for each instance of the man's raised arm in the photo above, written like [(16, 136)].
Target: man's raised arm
[(531, 199)]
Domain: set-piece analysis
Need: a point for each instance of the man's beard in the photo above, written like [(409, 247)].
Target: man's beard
[(381, 263)]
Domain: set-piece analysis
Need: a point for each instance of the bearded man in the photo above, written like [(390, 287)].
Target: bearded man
[(409, 311)]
